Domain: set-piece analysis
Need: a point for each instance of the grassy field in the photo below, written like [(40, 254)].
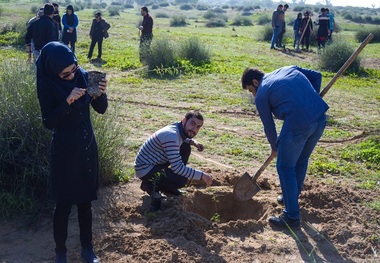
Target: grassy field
[(233, 133)]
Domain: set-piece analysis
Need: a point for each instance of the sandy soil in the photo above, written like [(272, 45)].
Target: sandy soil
[(336, 226)]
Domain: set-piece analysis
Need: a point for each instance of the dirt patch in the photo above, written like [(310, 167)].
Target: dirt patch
[(208, 225)]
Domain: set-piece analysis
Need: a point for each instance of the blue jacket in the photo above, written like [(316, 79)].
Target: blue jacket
[(291, 94)]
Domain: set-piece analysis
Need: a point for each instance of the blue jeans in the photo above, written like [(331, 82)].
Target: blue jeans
[(276, 31), (293, 153)]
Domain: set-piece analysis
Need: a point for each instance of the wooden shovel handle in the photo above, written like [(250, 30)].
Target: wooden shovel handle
[(263, 167), (346, 64)]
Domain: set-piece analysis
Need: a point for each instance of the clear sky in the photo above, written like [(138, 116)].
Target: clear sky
[(362, 3)]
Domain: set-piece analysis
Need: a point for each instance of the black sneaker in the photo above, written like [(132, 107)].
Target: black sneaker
[(176, 192), (155, 203), (89, 256), (146, 187), (61, 257), (283, 221)]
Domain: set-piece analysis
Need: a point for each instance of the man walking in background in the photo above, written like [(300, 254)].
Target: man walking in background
[(323, 29), (41, 31), (276, 25), (146, 30), (283, 30), (161, 162)]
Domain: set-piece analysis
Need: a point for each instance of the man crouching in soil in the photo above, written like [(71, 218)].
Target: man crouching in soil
[(161, 160)]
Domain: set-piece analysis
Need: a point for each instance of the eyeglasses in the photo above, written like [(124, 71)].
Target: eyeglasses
[(72, 71)]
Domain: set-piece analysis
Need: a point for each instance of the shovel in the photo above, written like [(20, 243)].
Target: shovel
[(246, 187)]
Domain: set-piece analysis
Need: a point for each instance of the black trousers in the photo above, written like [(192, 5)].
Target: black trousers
[(162, 178), (61, 221), (92, 46)]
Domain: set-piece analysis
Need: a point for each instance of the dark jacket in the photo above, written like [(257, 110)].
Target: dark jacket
[(42, 31), (147, 25), (74, 153), (99, 29)]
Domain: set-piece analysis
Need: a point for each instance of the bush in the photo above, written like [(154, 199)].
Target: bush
[(263, 20), (114, 11), (242, 21), (25, 143), (161, 55), (178, 21), (335, 55), (34, 9), (186, 7), (362, 33), (128, 6), (194, 51), (162, 15), (210, 14), (165, 4), (266, 33), (202, 7), (216, 22)]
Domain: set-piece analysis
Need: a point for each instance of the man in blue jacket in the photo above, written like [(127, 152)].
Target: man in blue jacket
[(290, 94)]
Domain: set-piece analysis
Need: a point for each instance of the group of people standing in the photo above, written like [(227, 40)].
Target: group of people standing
[(46, 27), (302, 27), (278, 26)]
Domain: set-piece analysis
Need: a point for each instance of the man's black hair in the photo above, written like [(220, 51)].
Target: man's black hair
[(48, 9), (195, 114), (144, 8), (249, 75)]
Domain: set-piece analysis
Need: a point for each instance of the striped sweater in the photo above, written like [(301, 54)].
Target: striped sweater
[(162, 147)]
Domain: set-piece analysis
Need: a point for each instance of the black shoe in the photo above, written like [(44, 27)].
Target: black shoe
[(155, 203), (283, 221), (61, 257), (145, 186), (176, 192), (89, 256), (280, 199)]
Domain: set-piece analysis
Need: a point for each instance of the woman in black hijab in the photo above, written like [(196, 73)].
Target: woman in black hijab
[(65, 108), (70, 22)]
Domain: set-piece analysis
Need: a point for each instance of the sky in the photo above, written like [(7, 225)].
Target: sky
[(361, 3)]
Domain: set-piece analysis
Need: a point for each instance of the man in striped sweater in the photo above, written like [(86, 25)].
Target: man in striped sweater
[(161, 160)]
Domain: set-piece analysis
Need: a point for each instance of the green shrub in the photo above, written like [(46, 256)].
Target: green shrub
[(164, 4), (263, 20), (202, 7), (114, 11), (161, 55), (242, 21), (162, 15), (25, 143), (155, 6), (266, 33), (186, 7), (363, 32), (335, 55), (34, 9), (210, 14), (194, 51), (128, 6), (216, 22), (178, 21)]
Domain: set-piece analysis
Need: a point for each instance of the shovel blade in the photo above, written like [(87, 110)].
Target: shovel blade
[(245, 188)]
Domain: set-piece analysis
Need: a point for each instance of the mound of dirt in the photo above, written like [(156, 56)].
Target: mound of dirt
[(208, 225)]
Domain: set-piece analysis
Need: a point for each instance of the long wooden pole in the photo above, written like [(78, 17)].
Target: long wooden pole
[(347, 64)]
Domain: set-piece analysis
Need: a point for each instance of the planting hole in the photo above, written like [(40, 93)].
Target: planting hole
[(218, 204)]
